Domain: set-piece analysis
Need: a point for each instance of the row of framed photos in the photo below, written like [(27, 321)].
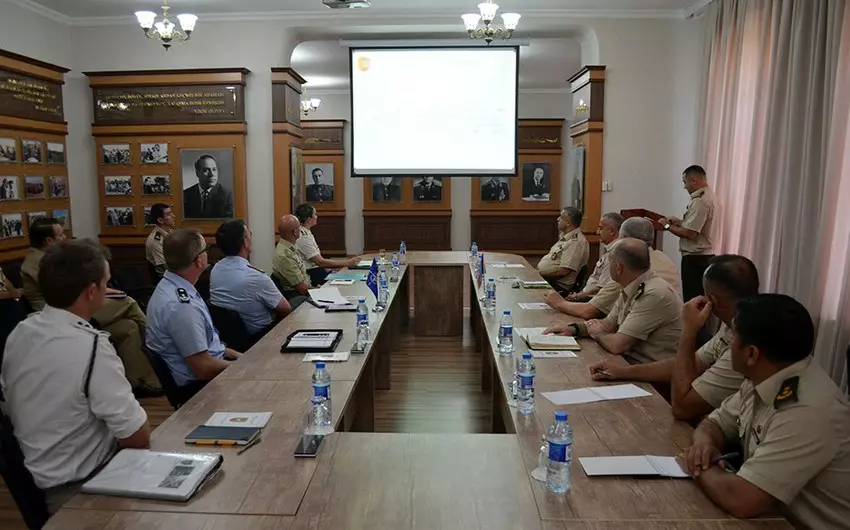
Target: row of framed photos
[(122, 154), (12, 224), (13, 150), (34, 187), (125, 216), (122, 185)]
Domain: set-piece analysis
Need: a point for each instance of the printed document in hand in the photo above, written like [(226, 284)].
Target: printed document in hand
[(533, 306), (595, 393), (337, 356), (327, 295), (536, 340), (239, 419), (666, 466)]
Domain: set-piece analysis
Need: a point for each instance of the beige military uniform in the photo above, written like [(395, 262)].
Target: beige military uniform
[(649, 311), (571, 251), (153, 249), (719, 381), (29, 278), (601, 272), (289, 267), (659, 263), (699, 217), (795, 431)]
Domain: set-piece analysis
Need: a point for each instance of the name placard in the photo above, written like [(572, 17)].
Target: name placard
[(169, 104), (31, 98)]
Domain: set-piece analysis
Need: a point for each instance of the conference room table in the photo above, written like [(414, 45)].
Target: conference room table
[(366, 480)]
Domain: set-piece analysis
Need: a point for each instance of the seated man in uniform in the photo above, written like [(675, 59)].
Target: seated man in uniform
[(237, 285), (7, 290), (645, 323), (317, 265), (791, 420), (165, 223), (702, 380), (603, 301), (560, 267), (180, 327), (121, 316), (608, 231), (288, 267), (65, 389)]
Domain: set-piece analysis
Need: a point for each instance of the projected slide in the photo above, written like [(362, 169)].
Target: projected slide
[(434, 111)]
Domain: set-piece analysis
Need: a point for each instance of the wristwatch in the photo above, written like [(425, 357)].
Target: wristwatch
[(576, 329), (667, 225)]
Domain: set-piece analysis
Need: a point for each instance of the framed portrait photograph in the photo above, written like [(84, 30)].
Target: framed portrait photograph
[(207, 183), (32, 153), (121, 186), (386, 189), (536, 182), (35, 216), (34, 187), (55, 153), (58, 187), (576, 198), (9, 190), (8, 150), (11, 225), (116, 154), (428, 189), (64, 218), (155, 153), (119, 216), (156, 184), (296, 168), (319, 182), (495, 189)]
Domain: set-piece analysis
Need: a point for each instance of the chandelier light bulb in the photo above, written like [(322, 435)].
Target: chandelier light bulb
[(511, 20), (187, 21), (488, 11)]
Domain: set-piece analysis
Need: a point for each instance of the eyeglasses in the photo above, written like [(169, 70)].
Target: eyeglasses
[(206, 249)]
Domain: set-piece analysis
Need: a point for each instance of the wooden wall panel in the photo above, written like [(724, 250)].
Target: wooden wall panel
[(423, 232), (525, 234), (330, 234)]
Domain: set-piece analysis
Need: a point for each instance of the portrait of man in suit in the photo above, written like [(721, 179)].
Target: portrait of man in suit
[(495, 189), (386, 189), (320, 188), (429, 189), (207, 183), (536, 182)]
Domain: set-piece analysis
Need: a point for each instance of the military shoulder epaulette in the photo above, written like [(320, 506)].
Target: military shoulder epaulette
[(182, 295), (640, 290), (787, 392)]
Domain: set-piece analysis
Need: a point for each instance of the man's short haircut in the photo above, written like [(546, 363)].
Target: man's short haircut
[(316, 169), (158, 211), (200, 160), (41, 230), (181, 248), (230, 237), (694, 171), (304, 212), (634, 257), (779, 326), (615, 219), (638, 228), (573, 214), (735, 274), (70, 267)]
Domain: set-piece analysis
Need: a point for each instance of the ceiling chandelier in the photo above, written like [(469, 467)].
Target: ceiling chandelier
[(308, 104), (489, 32), (165, 30)]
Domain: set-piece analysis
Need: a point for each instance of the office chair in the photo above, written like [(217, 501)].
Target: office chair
[(29, 498), (231, 328), (163, 373)]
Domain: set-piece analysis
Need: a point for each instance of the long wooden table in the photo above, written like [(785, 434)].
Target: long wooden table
[(363, 479)]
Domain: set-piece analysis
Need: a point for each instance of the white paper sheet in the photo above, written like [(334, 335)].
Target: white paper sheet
[(596, 393), (534, 306), (239, 419), (341, 282), (664, 466), (337, 356), (327, 295), (514, 265), (552, 354)]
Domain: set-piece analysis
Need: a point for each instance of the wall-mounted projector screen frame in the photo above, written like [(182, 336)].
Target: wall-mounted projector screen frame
[(359, 169)]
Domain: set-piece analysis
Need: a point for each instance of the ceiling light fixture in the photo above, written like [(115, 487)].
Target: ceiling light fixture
[(489, 32), (165, 31)]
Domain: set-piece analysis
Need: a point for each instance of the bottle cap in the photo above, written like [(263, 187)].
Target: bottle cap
[(474, 243), (561, 415), (507, 312), (526, 355), (491, 280), (320, 366), (362, 299)]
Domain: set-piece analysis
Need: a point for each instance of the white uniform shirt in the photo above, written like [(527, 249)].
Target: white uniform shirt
[(307, 248), (65, 436)]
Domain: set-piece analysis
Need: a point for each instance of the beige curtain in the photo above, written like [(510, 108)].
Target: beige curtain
[(775, 140)]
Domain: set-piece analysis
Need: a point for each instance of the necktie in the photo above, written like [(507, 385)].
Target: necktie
[(204, 196)]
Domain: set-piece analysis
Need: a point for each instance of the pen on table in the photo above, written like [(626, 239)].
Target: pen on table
[(254, 442), (326, 301), (727, 456), (603, 372)]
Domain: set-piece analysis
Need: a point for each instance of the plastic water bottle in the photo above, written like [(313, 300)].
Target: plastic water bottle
[(525, 393), (490, 300), (364, 333), (402, 253), (558, 477), (382, 257), (395, 272), (383, 290), (321, 395), (506, 334), (320, 416), (473, 254)]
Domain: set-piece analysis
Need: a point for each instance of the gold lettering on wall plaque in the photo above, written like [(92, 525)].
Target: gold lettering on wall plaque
[(28, 97), (168, 104)]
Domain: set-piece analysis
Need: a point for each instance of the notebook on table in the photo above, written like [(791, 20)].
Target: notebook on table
[(364, 264), (665, 466), (228, 435), (312, 341), (536, 340)]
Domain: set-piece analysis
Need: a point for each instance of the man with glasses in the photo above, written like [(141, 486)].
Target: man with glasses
[(180, 328)]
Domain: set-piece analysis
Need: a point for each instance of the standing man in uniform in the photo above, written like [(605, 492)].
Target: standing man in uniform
[(237, 285), (317, 266), (645, 323), (560, 267), (792, 422), (65, 389), (165, 221), (180, 328), (288, 267), (694, 231)]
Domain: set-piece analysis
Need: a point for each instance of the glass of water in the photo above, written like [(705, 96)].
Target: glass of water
[(382, 256)]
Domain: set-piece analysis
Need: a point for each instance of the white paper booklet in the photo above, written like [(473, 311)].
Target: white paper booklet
[(595, 393), (327, 295), (312, 339), (144, 474), (536, 340), (239, 419), (666, 466), (552, 354), (533, 306), (341, 282), (337, 356)]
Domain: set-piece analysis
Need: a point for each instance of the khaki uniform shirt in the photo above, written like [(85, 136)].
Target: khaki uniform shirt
[(288, 266), (719, 381), (660, 264), (699, 217), (307, 248), (649, 311), (795, 431), (29, 278), (601, 272), (153, 248), (571, 251)]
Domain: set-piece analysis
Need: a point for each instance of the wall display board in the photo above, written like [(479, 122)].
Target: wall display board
[(33, 158), (322, 181)]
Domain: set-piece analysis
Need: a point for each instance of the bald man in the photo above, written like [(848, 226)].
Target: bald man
[(288, 266)]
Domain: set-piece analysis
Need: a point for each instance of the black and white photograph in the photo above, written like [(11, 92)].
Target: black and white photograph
[(576, 198), (32, 151), (207, 183), (35, 216), (34, 187), (536, 182), (118, 185), (55, 153), (12, 225), (119, 216), (58, 187), (63, 217), (428, 189), (9, 190), (495, 189), (386, 189), (155, 153), (156, 184), (148, 220), (320, 182), (116, 154), (8, 150)]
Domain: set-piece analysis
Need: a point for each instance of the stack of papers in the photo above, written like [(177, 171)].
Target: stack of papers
[(666, 466), (348, 275), (536, 340), (595, 393), (536, 284), (327, 295), (337, 356), (533, 306), (312, 339)]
